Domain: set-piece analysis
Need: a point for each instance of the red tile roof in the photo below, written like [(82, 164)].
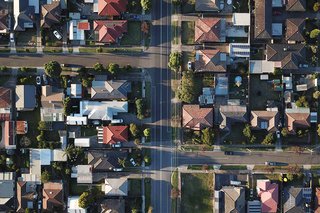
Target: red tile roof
[(112, 7), (21, 127), (4, 116), (5, 97), (207, 30), (268, 192), (114, 134), (317, 201), (52, 195), (83, 26), (8, 132), (110, 31), (197, 118)]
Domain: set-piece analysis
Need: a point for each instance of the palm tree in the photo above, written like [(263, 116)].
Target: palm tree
[(122, 162)]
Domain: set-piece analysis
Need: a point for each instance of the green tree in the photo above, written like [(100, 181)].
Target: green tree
[(268, 139), (98, 67), (247, 131), (147, 159), (174, 61), (137, 141), (122, 162), (27, 210), (45, 176), (53, 69), (41, 137), (316, 95), (252, 139), (86, 82), (302, 102), (314, 33), (140, 108), (114, 68), (147, 132), (316, 6), (176, 2), (42, 125), (318, 130), (3, 69), (145, 4), (290, 177), (188, 90), (134, 130), (64, 81), (284, 132), (85, 200), (207, 136), (277, 71), (67, 106)]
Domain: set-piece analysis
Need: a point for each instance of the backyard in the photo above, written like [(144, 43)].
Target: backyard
[(133, 36), (261, 92), (197, 193), (88, 131), (241, 6), (33, 118), (187, 30), (188, 6)]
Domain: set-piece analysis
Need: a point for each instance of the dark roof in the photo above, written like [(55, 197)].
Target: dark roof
[(296, 5), (295, 28), (207, 30), (52, 194), (105, 160), (115, 89), (26, 15), (24, 195), (4, 23), (50, 14), (5, 97), (293, 200), (197, 118), (263, 16), (290, 55)]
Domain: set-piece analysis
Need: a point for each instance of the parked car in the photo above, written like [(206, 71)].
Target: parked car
[(96, 122), (45, 79), (117, 169), (132, 162), (229, 153), (65, 65), (189, 65), (278, 134), (116, 145), (38, 80), (57, 34), (11, 37), (117, 121)]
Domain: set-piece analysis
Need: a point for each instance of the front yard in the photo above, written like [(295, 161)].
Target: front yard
[(26, 38), (197, 192), (133, 36), (187, 32)]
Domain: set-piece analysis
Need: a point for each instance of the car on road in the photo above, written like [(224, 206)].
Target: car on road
[(132, 162), (57, 34), (38, 80), (116, 145), (229, 153), (278, 134), (273, 163), (45, 79)]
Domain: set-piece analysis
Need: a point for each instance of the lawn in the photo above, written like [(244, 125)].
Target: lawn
[(135, 187), (147, 192), (240, 6), (78, 189), (4, 79), (233, 167), (136, 90), (109, 50), (33, 118), (261, 92), (88, 131), (188, 6), (27, 50), (235, 91), (197, 193), (28, 37), (52, 49), (133, 36), (187, 30), (175, 32)]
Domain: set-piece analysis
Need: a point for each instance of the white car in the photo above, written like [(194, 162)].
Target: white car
[(117, 169), (132, 162), (38, 80), (116, 145), (189, 65), (278, 134), (11, 37), (57, 35)]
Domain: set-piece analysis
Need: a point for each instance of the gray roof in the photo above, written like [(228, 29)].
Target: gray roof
[(263, 16), (293, 200), (207, 5), (26, 96), (105, 160), (115, 89), (26, 15), (230, 114), (234, 199)]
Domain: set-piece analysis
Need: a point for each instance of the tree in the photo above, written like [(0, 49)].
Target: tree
[(252, 139), (150, 209), (73, 153), (316, 6), (277, 71), (98, 67), (174, 61), (140, 108), (284, 132), (207, 136), (188, 90), (45, 176), (176, 2), (314, 33), (42, 125), (53, 69), (27, 210), (145, 4), (134, 130), (147, 159), (137, 141), (85, 200), (290, 177), (86, 82), (25, 141), (302, 102), (268, 139), (67, 106), (145, 27), (64, 81), (318, 130), (134, 210), (114, 68), (247, 131), (41, 137), (147, 132), (122, 162), (175, 193), (316, 95)]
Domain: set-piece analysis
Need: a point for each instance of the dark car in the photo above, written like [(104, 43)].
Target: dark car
[(229, 153)]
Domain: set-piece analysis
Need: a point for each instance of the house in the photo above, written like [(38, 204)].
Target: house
[(76, 91), (24, 14), (113, 134), (296, 5), (25, 97), (52, 104), (231, 114), (297, 118), (77, 30), (104, 110), (109, 31), (82, 142), (4, 19), (287, 56), (294, 30), (26, 195), (239, 50), (112, 7), (115, 186), (212, 60), (103, 161), (53, 197), (207, 5), (50, 14), (9, 132), (112, 205), (7, 194), (83, 173), (264, 119), (5, 104), (110, 90), (230, 199), (269, 195), (263, 19), (73, 205), (254, 206), (295, 199), (317, 200), (210, 30), (197, 118)]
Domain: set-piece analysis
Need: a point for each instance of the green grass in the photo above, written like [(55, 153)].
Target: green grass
[(78, 189), (27, 50), (135, 187), (136, 90), (28, 37), (175, 179), (199, 167), (147, 193), (134, 34), (4, 79), (88, 131), (52, 49), (4, 50), (33, 118), (175, 32), (233, 167), (196, 193), (187, 29), (93, 50), (188, 6)]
